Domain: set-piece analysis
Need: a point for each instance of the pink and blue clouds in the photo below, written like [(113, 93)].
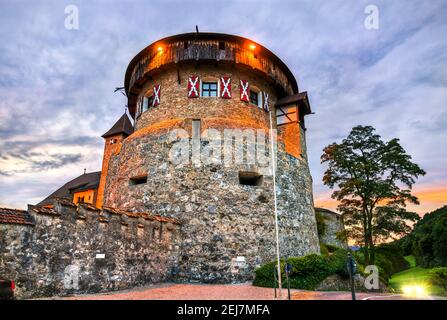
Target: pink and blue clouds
[(56, 85)]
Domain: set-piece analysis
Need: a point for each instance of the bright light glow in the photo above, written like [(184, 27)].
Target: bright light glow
[(414, 290), (252, 46), (160, 49)]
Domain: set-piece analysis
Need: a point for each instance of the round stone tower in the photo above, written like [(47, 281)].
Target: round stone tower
[(201, 152)]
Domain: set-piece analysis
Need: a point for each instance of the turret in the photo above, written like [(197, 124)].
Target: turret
[(199, 83), (112, 143)]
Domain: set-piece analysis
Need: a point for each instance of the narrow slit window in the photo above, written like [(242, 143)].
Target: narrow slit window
[(247, 178), (196, 129), (138, 180)]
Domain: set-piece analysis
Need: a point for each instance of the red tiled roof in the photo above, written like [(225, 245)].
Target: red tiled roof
[(14, 216), (43, 210)]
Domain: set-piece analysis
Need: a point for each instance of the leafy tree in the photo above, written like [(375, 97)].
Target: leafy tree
[(428, 240), (438, 277), (373, 181)]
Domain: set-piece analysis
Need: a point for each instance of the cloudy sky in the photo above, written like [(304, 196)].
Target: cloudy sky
[(56, 85)]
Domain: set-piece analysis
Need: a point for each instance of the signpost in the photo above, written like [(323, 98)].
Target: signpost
[(288, 270), (274, 275), (352, 269)]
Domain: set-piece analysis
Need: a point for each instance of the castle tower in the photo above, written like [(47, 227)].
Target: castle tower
[(189, 92), (112, 143)]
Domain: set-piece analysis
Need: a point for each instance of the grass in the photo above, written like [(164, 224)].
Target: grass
[(411, 260), (413, 276)]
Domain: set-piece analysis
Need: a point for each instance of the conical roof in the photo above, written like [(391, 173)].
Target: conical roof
[(123, 125)]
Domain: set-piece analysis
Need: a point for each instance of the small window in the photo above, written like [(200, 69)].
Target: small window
[(209, 89), (138, 180), (221, 45), (147, 102), (196, 129), (254, 97), (248, 178)]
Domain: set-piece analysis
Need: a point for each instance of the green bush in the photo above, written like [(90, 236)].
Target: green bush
[(323, 249), (438, 277), (389, 259), (307, 272), (428, 240), (338, 263), (331, 248)]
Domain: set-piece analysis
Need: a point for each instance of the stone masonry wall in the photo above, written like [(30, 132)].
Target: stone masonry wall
[(333, 226), (227, 228), (108, 250)]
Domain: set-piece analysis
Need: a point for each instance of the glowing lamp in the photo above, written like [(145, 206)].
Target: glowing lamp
[(414, 290), (160, 49), (252, 46)]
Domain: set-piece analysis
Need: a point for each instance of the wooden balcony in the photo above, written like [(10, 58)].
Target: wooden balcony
[(207, 47)]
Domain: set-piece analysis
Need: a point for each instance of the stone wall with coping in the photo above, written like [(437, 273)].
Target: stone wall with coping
[(333, 226), (81, 249)]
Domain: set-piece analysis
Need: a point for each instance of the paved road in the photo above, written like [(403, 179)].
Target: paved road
[(313, 295), (244, 291)]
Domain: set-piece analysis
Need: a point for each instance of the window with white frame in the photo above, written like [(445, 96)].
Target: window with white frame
[(147, 101), (255, 97)]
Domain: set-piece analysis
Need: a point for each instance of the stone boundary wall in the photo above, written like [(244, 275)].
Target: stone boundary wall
[(71, 249), (333, 226)]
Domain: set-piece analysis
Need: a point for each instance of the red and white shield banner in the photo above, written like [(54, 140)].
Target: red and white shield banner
[(225, 87), (265, 101), (193, 87), (245, 91), (156, 95)]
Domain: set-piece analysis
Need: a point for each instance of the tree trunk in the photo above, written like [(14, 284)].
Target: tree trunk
[(372, 251), (365, 237)]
